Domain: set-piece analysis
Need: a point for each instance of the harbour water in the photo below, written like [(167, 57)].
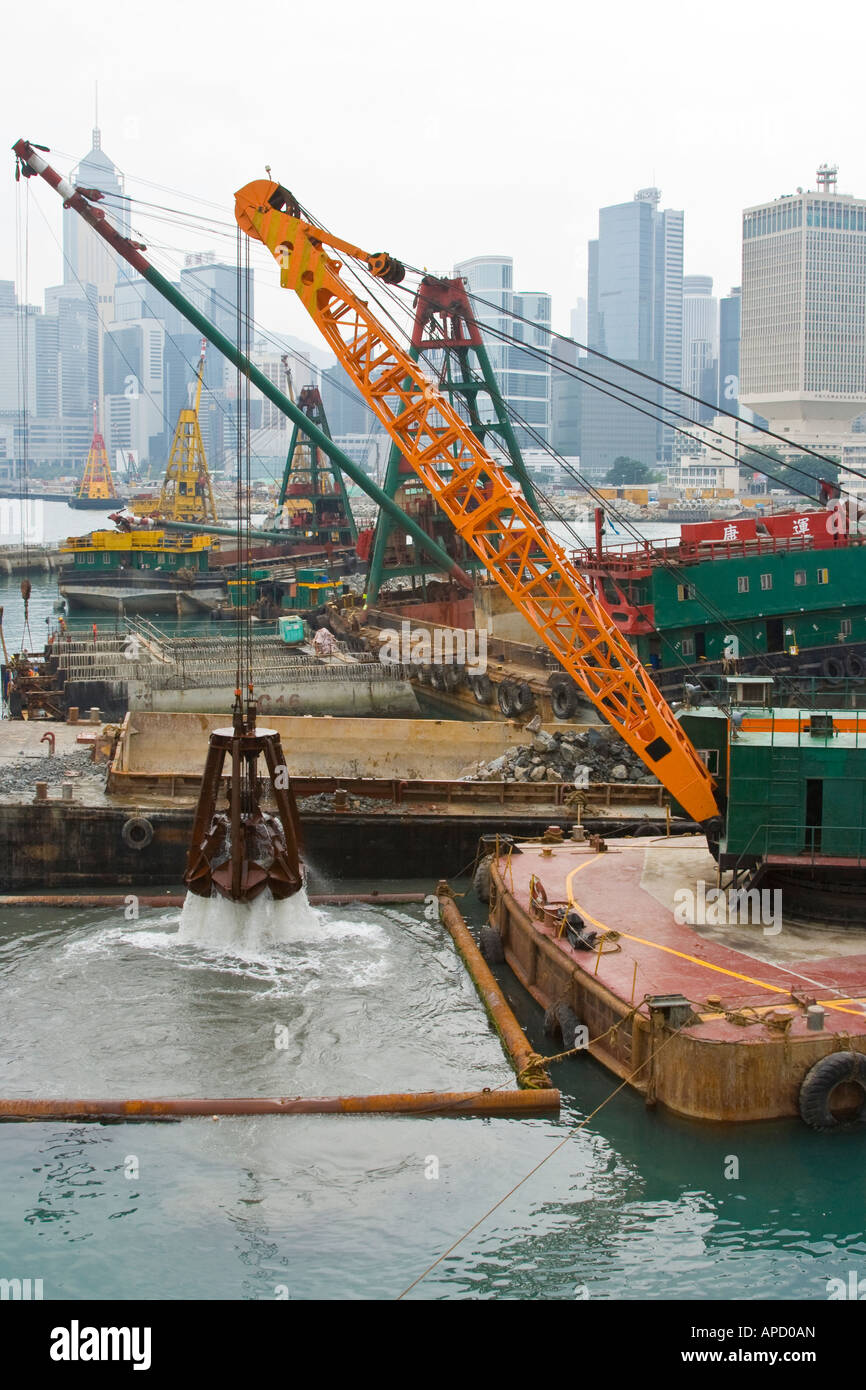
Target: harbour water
[(636, 1204)]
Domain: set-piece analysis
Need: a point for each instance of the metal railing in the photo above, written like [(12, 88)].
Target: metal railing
[(807, 844)]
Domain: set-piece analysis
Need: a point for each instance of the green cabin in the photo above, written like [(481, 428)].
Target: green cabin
[(794, 781)]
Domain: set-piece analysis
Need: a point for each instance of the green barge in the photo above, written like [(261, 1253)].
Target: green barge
[(783, 593)]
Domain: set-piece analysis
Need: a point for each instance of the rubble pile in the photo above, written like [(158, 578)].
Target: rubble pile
[(576, 756), (19, 778)]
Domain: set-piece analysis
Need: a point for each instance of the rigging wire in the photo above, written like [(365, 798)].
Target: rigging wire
[(648, 376), (681, 574), (672, 568), (590, 379), (134, 284)]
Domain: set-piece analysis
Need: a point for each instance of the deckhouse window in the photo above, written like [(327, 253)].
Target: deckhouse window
[(742, 584)]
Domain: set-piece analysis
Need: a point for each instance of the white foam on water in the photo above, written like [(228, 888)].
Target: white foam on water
[(241, 929), (285, 947)]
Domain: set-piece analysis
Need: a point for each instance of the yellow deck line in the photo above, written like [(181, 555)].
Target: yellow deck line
[(683, 955)]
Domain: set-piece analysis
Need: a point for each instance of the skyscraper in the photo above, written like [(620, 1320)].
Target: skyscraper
[(700, 345), (87, 259), (578, 322), (803, 350), (730, 307), (523, 373), (565, 398), (78, 338), (634, 313)]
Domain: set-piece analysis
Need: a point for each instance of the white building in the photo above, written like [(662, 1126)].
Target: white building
[(803, 351)]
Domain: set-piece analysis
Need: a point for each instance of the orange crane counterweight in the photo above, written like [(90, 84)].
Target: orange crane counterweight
[(485, 506)]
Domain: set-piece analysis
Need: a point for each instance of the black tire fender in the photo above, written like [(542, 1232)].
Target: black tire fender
[(551, 1023), (833, 668), (482, 689), (481, 879), (563, 700), (505, 698), (820, 1082), (560, 1021), (137, 832), (490, 941), (855, 666), (523, 699), (568, 1025)]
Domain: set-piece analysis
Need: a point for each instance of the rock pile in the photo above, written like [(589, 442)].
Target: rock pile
[(19, 778), (579, 757)]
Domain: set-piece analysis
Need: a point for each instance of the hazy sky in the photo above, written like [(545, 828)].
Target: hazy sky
[(443, 131)]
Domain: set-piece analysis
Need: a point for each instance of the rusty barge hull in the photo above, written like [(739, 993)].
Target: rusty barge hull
[(745, 1045)]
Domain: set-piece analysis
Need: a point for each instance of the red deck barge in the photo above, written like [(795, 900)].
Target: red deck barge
[(717, 1022)]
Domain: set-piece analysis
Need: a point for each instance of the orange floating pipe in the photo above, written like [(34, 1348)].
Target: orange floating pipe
[(526, 1063), (487, 1102)]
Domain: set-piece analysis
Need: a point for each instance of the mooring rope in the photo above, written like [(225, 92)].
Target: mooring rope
[(510, 1193)]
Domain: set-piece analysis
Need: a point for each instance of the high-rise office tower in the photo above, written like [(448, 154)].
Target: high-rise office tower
[(87, 259), (635, 316), (700, 345), (74, 306), (803, 349), (578, 322), (523, 373), (728, 394)]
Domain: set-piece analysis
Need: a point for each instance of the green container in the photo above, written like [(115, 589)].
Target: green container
[(291, 629)]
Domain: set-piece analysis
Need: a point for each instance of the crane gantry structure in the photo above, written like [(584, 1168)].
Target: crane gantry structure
[(484, 504)]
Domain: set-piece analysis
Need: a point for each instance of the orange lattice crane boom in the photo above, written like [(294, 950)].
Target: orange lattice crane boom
[(487, 509)]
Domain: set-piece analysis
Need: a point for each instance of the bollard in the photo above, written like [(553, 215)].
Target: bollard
[(95, 715), (341, 799), (815, 1018), (41, 791), (66, 791), (72, 714)]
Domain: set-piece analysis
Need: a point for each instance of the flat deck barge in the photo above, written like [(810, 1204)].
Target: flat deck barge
[(716, 1022)]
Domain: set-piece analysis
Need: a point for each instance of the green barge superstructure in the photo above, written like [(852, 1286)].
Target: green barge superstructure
[(783, 593)]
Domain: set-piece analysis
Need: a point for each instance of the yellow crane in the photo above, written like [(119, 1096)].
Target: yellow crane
[(186, 493), (486, 507)]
